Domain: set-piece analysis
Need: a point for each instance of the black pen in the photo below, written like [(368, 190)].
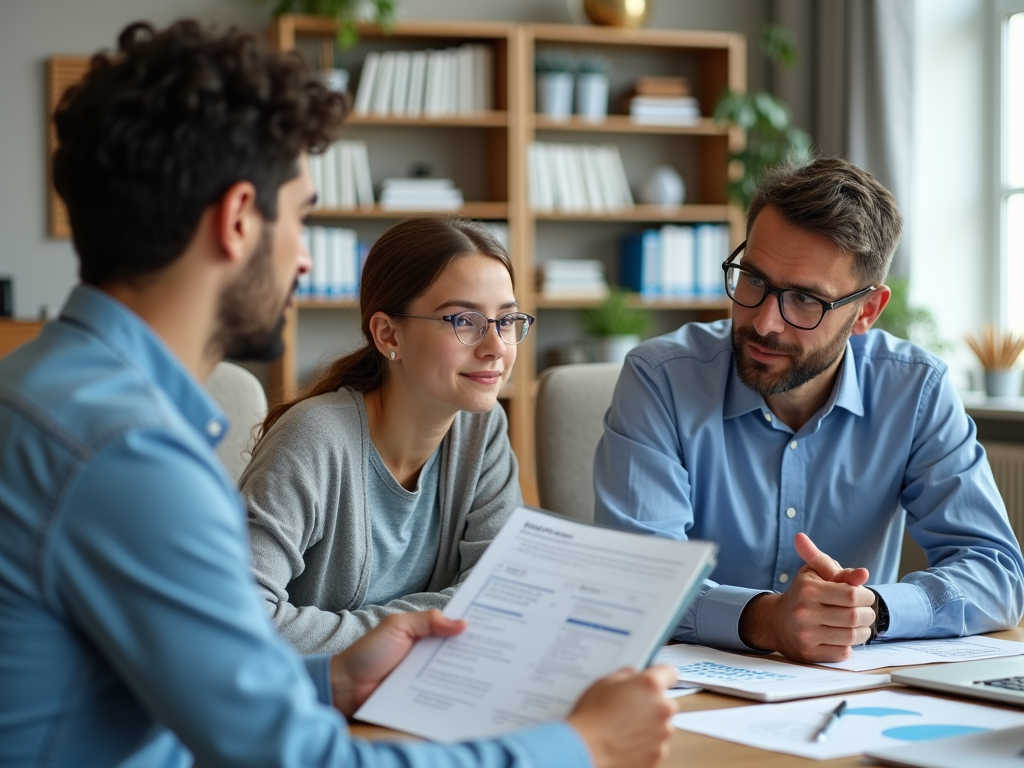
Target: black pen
[(833, 718)]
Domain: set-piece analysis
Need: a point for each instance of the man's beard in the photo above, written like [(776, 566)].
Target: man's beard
[(802, 368), (245, 330)]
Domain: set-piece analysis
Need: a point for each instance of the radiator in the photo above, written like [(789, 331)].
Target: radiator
[(1007, 460)]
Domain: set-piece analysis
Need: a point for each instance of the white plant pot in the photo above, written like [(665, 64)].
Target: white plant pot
[(1002, 383), (592, 96), (554, 95), (613, 349)]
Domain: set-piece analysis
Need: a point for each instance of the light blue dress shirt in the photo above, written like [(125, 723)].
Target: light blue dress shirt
[(131, 633), (690, 452)]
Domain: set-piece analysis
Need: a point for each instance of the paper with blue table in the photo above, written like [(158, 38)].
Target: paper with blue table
[(871, 722), (552, 605)]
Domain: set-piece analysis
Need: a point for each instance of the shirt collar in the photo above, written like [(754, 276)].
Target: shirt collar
[(846, 393), (140, 348)]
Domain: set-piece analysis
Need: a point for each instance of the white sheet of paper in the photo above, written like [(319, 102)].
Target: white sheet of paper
[(552, 605), (991, 749), (872, 721), (759, 678), (907, 653)]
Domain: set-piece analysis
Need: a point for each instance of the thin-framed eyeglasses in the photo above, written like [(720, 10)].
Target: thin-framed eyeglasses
[(800, 309), (471, 327)]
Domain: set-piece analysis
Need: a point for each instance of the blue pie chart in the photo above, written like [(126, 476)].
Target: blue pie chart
[(930, 732), (878, 712)]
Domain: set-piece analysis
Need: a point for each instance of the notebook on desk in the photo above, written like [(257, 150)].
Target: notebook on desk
[(1000, 680), (991, 749)]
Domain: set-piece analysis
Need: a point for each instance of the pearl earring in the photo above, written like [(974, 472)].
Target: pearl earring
[(392, 355)]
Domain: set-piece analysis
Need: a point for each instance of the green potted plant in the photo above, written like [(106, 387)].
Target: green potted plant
[(616, 324), (772, 138), (901, 319), (345, 11), (554, 69), (592, 72)]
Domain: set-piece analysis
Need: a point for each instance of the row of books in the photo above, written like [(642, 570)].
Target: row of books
[(341, 176), (453, 81), (676, 261), (338, 258), (577, 178), (572, 279)]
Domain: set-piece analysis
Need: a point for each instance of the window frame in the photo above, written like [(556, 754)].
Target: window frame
[(1002, 10)]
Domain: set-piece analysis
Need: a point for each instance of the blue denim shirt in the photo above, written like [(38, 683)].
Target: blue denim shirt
[(131, 633), (690, 452)]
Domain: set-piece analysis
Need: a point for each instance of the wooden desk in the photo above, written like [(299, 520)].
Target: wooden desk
[(14, 333), (691, 750)]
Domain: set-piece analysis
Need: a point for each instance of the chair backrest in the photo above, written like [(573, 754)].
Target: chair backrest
[(241, 397), (571, 403)]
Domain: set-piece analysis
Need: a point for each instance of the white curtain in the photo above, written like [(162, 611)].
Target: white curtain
[(853, 87)]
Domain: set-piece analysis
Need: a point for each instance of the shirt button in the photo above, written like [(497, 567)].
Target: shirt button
[(213, 428), (793, 445), (790, 513), (783, 577), (768, 416)]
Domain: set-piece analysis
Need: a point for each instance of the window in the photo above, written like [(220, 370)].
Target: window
[(1011, 162)]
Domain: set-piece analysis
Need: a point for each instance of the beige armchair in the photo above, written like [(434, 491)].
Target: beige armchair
[(240, 395)]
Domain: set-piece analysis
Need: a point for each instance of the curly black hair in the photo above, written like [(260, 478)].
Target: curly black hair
[(160, 129)]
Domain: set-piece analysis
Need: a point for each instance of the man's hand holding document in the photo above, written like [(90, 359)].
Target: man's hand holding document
[(552, 607)]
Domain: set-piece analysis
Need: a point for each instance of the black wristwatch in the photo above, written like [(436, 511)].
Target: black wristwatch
[(881, 624)]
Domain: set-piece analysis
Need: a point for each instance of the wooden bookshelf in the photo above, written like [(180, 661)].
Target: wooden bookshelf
[(713, 61)]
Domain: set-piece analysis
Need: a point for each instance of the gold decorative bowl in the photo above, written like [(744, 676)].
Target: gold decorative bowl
[(617, 13)]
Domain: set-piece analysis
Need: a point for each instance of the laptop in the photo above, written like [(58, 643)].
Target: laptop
[(999, 680)]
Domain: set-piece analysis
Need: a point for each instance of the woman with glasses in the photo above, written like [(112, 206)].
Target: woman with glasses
[(379, 486)]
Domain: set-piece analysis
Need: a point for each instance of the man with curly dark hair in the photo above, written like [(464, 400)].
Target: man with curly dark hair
[(130, 630)]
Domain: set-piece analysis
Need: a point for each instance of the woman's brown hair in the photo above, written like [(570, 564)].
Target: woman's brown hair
[(401, 266)]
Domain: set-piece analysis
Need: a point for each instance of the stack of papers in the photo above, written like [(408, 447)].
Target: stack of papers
[(573, 279), (657, 110), (906, 653), (420, 195)]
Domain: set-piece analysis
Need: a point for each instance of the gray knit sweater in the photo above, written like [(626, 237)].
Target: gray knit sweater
[(309, 519)]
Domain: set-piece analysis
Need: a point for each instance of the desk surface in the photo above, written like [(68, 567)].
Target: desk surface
[(691, 750)]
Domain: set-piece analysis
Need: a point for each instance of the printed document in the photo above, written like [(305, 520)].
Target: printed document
[(870, 722), (992, 749), (906, 653), (552, 606), (759, 678)]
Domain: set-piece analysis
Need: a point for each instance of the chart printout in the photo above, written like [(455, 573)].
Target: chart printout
[(552, 606)]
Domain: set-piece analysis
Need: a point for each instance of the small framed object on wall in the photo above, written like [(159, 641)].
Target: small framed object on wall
[(62, 72)]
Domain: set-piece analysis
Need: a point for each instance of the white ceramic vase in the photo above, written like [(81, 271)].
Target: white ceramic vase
[(613, 349), (663, 186), (1002, 383), (592, 96), (554, 94)]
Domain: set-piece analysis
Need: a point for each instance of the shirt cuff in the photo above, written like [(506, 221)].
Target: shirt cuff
[(718, 616), (551, 744), (910, 612), (319, 670)]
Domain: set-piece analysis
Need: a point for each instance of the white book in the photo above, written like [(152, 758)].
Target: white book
[(464, 79), (709, 274), (330, 171), (417, 185), (484, 78), (400, 92), (316, 171), (319, 255), (572, 602), (336, 240), (624, 195), (589, 162), (346, 175), (668, 258), (417, 83), (581, 196), (364, 181), (435, 74), (605, 161), (347, 276), (385, 85), (367, 80), (449, 82), (562, 186), (542, 193)]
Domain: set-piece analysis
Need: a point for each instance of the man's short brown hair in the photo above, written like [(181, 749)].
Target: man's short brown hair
[(838, 200)]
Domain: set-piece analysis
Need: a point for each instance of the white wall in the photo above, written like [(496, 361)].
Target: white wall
[(33, 30), (952, 264)]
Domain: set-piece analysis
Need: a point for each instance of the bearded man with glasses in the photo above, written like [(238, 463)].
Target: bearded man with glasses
[(795, 426)]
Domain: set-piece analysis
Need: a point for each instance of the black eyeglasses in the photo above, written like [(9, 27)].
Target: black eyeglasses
[(799, 309), (471, 327)]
